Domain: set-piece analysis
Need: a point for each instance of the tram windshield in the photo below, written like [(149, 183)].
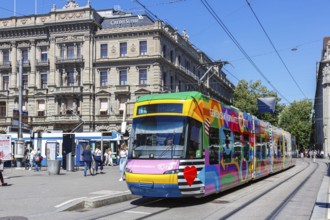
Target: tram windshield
[(160, 137)]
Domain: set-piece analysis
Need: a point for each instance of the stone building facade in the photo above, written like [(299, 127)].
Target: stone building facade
[(83, 69), (321, 117)]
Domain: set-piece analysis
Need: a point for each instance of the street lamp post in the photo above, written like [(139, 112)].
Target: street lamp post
[(19, 151)]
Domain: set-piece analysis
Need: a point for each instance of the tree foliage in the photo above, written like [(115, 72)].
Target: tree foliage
[(296, 119), (246, 99)]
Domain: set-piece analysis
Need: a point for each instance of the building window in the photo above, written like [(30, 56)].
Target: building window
[(123, 77), (41, 107), (78, 51), (70, 79), (25, 55), (5, 57), (104, 50), (44, 54), (171, 56), (43, 81), (164, 80), (2, 109), (179, 60), (5, 83), (122, 104), (123, 49), (164, 51), (172, 83), (104, 78), (143, 76), (25, 81), (103, 106), (70, 52), (143, 48), (62, 52)]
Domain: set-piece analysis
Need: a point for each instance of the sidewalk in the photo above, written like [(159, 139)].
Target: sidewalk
[(321, 209), (32, 194)]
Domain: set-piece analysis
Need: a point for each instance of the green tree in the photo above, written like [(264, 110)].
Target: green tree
[(246, 99), (296, 118)]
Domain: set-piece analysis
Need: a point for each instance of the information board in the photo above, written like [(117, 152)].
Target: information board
[(5, 147)]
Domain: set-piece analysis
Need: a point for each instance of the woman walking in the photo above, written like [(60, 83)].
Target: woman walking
[(123, 160), (87, 158)]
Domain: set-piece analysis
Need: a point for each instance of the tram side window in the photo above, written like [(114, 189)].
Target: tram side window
[(214, 146), (227, 153), (259, 152), (264, 151), (279, 149), (195, 140), (246, 148), (238, 146)]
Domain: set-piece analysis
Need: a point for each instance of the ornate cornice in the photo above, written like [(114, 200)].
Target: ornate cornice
[(69, 38)]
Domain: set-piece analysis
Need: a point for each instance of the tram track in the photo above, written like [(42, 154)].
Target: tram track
[(283, 204), (167, 204), (267, 191)]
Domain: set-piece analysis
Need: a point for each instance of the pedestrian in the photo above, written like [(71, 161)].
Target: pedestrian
[(123, 153), (106, 157), (37, 160), (31, 158), (110, 160), (98, 160), (314, 158), (26, 158), (1, 176), (87, 157)]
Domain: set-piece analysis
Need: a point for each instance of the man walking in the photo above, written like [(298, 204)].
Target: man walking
[(1, 177)]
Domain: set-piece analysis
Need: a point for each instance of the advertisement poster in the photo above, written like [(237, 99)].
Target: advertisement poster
[(51, 151), (5, 147)]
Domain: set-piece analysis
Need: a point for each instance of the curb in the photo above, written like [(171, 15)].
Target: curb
[(97, 202)]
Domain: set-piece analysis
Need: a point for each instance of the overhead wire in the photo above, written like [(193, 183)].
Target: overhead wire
[(278, 54), (224, 27)]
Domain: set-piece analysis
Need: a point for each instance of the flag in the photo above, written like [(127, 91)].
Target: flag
[(266, 105)]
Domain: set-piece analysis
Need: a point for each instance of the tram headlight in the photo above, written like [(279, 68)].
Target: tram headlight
[(171, 171), (128, 170)]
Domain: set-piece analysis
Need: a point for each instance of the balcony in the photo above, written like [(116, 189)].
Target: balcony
[(26, 63), (4, 93), (64, 119), (122, 89), (67, 90), (42, 62), (5, 120), (69, 60), (5, 65)]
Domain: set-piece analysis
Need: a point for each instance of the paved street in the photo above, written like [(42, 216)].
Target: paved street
[(37, 195)]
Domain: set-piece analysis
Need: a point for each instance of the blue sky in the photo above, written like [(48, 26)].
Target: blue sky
[(300, 24)]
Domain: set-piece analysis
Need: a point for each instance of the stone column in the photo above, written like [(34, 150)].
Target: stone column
[(1, 56), (13, 77), (87, 73), (32, 78), (52, 59)]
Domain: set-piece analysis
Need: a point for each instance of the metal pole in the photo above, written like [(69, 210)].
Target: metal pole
[(20, 99), (14, 7), (20, 141)]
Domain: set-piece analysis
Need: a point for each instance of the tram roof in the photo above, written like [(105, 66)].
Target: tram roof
[(175, 96)]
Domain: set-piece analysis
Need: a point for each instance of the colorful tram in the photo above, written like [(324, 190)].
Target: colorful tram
[(188, 145)]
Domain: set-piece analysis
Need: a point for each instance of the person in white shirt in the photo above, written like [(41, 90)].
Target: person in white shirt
[(98, 160), (123, 153)]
